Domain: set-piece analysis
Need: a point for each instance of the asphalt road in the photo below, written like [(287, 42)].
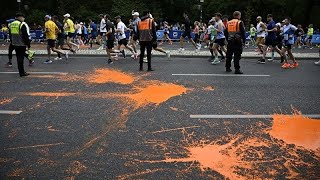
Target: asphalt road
[(91, 120)]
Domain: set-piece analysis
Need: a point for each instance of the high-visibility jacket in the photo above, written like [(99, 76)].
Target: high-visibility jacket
[(234, 26), (15, 31), (145, 30)]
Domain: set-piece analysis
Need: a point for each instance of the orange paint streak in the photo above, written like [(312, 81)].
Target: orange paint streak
[(34, 146), (174, 109), (6, 101), (50, 94), (76, 167), (105, 76), (296, 129), (208, 88)]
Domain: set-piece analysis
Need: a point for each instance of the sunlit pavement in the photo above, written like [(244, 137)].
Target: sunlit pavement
[(85, 119)]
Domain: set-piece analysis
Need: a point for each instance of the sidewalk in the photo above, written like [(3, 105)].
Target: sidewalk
[(300, 54)]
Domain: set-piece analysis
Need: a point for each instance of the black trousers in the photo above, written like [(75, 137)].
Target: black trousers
[(233, 49), (143, 47), (11, 49), (20, 52)]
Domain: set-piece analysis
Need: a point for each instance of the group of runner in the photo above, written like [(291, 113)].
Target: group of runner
[(60, 37)]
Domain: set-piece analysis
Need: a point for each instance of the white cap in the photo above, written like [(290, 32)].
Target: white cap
[(278, 24), (135, 14), (48, 16), (66, 15), (81, 23)]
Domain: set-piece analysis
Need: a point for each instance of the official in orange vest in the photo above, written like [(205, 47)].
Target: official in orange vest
[(236, 35), (146, 33)]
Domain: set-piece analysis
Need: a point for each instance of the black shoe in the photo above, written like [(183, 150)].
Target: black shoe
[(238, 71), (149, 70), (282, 59), (110, 61), (228, 70), (222, 59), (25, 74), (262, 61), (123, 53)]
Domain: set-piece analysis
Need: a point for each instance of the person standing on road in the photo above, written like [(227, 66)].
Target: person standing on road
[(20, 41), (147, 35), (51, 35), (236, 36)]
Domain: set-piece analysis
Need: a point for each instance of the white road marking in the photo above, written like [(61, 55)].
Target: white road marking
[(223, 75), (10, 112), (41, 73), (315, 116)]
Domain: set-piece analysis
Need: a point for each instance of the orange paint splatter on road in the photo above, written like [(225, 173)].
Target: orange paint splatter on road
[(6, 101), (297, 129), (106, 76), (208, 88), (155, 93), (50, 94), (76, 167), (174, 109)]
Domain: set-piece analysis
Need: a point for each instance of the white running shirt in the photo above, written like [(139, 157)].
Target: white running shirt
[(260, 31), (121, 26)]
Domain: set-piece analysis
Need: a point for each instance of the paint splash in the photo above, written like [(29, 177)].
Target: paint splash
[(76, 167), (208, 88), (6, 101), (102, 76), (155, 93), (297, 129)]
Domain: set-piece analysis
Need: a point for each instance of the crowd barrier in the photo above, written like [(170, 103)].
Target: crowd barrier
[(38, 35)]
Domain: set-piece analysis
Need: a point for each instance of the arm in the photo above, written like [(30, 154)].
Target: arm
[(154, 31), (220, 25), (242, 31), (25, 36)]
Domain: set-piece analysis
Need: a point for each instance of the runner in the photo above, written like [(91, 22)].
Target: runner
[(196, 39), (187, 33), (134, 38), (94, 32), (299, 33), (278, 40), (288, 37), (253, 31), (51, 36), (103, 30), (112, 55), (78, 29), (122, 39), (220, 39), (69, 30), (212, 33), (60, 38), (261, 34), (166, 29), (270, 39), (309, 36)]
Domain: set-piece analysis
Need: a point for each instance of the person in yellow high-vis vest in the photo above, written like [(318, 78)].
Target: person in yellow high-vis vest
[(20, 40), (309, 36)]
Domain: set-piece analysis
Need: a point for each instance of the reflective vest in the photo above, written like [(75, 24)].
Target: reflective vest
[(234, 26), (145, 30), (310, 32), (15, 31)]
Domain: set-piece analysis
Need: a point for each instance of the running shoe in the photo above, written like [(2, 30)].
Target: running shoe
[(317, 63), (294, 65), (66, 56), (48, 62), (222, 58), (286, 66), (145, 60), (31, 62), (100, 48), (211, 59), (110, 61), (215, 61), (168, 54), (262, 61), (270, 60), (57, 58), (8, 65), (181, 50)]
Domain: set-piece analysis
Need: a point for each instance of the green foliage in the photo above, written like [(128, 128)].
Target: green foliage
[(303, 12)]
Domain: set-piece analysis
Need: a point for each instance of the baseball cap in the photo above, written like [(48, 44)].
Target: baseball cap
[(19, 14), (48, 16), (135, 14), (66, 15), (81, 23)]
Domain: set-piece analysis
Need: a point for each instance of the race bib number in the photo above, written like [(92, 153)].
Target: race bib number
[(286, 37)]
